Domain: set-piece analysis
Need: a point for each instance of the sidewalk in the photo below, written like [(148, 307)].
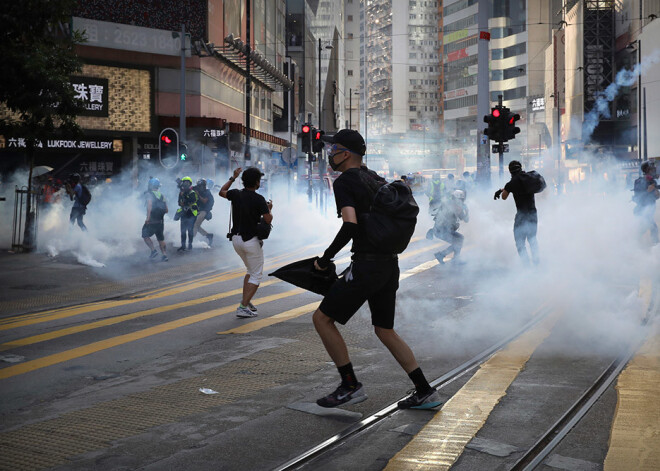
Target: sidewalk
[(36, 281)]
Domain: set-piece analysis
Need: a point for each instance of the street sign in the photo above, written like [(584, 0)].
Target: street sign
[(496, 148)]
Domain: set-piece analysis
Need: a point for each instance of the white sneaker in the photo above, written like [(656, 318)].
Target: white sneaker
[(245, 312), (252, 308)]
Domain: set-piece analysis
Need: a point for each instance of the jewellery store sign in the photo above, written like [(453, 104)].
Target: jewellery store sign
[(93, 94), (93, 145)]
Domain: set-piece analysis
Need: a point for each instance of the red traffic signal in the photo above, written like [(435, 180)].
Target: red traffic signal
[(496, 113), (166, 139), (317, 143), (305, 128)]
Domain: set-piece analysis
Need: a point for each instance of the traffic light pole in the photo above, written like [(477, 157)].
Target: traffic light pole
[(483, 97), (500, 147), (182, 105)]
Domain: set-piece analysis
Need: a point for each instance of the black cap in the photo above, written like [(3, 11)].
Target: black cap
[(348, 138)]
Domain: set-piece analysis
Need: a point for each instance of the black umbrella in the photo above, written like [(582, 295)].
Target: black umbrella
[(303, 275)]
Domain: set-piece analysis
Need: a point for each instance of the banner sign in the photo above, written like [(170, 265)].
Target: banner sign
[(17, 143)]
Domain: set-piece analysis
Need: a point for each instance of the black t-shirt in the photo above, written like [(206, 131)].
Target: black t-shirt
[(247, 207), (524, 200), (351, 191), (158, 206)]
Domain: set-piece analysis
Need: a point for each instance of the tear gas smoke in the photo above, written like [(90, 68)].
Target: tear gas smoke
[(624, 78)]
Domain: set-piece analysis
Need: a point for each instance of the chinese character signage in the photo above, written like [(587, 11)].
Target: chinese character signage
[(93, 93), (18, 143), (213, 133), (538, 104)]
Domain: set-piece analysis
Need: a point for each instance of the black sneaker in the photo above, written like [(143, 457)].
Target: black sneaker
[(440, 257), (343, 395), (153, 254), (429, 400), (181, 249), (210, 237)]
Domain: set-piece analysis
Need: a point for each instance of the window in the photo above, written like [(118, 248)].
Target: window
[(412, 55), (350, 35), (350, 17), (412, 68), (349, 73), (413, 108)]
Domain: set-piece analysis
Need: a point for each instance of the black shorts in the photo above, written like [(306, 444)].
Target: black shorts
[(153, 228), (375, 282)]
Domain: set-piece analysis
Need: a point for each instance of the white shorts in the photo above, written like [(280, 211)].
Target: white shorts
[(252, 255)]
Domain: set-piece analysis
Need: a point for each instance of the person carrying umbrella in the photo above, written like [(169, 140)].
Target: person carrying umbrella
[(373, 276)]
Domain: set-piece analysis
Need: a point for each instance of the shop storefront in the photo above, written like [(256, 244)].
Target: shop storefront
[(118, 107)]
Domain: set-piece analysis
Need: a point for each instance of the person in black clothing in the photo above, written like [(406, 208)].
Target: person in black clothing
[(247, 208), (646, 194), (205, 206), (187, 212), (526, 221), (373, 276), (154, 224)]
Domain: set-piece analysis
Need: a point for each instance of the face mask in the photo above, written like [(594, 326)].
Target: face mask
[(335, 165)]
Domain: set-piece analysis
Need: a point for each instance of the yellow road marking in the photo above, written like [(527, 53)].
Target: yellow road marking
[(46, 316), (442, 440), (116, 320), (636, 424), (281, 317), (299, 311), (126, 338)]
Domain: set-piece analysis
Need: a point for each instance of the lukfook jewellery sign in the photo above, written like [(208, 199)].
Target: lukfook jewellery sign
[(60, 144)]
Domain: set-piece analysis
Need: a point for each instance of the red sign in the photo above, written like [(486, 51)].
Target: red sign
[(454, 56), (484, 35)]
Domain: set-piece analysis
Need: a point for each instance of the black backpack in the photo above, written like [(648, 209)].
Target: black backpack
[(533, 181), (390, 223), (86, 196)]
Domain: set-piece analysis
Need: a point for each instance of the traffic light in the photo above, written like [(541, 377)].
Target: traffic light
[(494, 128), (306, 136), (183, 153), (168, 147), (511, 128), (317, 143)]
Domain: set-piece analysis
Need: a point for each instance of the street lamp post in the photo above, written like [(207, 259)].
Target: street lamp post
[(320, 108), (559, 182)]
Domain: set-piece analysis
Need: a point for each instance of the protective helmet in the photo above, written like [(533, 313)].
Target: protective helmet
[(201, 183), (459, 194), (186, 179), (154, 183)]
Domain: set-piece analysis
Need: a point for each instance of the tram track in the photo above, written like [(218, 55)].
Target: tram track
[(441, 382), (535, 455)]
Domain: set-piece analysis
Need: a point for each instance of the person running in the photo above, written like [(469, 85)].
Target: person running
[(154, 223), (248, 207), (645, 195), (373, 276), (447, 219), (205, 206), (79, 206), (526, 221), (187, 212)]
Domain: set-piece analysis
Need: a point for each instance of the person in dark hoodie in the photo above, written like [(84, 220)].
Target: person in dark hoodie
[(372, 277), (526, 221)]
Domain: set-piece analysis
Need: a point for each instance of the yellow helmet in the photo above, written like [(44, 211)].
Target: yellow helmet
[(187, 179)]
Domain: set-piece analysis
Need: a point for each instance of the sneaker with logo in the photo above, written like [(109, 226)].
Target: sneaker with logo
[(252, 308), (343, 395), (428, 400), (243, 311)]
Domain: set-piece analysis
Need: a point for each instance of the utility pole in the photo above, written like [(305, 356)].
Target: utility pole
[(182, 104), (483, 96), (248, 83), (320, 110), (350, 108)]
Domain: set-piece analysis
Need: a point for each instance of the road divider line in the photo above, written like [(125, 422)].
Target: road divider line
[(276, 319), (442, 440), (94, 347), (46, 316), (299, 311), (123, 318)]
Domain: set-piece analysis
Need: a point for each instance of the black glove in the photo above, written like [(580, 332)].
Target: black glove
[(497, 194), (323, 262)]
